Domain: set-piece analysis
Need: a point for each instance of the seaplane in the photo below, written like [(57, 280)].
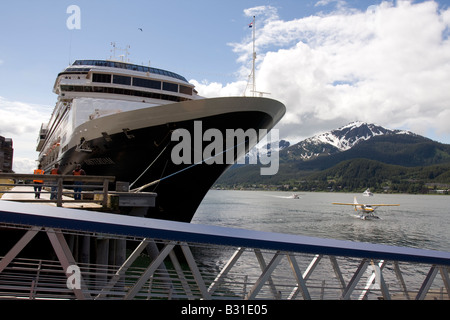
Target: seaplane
[(366, 210)]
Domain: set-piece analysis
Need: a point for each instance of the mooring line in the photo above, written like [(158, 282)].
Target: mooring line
[(150, 165), (177, 172)]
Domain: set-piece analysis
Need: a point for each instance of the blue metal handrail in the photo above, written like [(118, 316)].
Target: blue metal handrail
[(88, 221)]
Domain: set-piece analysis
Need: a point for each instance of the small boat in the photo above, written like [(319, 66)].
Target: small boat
[(367, 193)]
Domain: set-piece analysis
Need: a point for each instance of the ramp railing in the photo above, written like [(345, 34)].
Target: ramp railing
[(58, 189), (171, 260)]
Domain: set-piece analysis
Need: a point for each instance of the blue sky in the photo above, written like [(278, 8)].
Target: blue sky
[(188, 37), (329, 61)]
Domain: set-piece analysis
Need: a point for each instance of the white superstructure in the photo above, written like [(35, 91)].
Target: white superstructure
[(91, 89)]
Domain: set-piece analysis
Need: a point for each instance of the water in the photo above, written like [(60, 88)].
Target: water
[(421, 221)]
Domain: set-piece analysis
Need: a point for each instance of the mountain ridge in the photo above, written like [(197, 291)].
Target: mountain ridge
[(395, 151), (341, 139)]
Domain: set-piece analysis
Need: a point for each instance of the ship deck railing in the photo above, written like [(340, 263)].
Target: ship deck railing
[(20, 188), (186, 261)]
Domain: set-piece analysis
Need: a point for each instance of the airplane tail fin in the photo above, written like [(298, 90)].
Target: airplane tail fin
[(355, 202)]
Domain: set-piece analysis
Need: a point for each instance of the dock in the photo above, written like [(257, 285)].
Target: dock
[(26, 194), (20, 188), (174, 260)]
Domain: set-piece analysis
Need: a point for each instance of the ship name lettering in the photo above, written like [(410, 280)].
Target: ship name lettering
[(98, 161)]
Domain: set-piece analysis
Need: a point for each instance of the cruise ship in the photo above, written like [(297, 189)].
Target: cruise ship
[(116, 118)]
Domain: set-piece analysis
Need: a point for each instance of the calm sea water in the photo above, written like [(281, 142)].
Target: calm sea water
[(421, 221)]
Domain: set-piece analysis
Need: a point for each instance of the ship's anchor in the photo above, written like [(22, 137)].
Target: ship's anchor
[(83, 146), (129, 136)]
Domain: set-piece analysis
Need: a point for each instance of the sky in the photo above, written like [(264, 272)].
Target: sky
[(330, 62)]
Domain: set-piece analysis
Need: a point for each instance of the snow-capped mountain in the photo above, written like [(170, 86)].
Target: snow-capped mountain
[(338, 140), (252, 156), (351, 150)]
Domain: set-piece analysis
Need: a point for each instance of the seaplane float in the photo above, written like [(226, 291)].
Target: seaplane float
[(366, 210)]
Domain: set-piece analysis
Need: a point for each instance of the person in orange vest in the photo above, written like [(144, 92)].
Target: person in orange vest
[(77, 188), (54, 194), (38, 183)]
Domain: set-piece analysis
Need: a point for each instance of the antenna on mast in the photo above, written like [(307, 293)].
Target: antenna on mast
[(253, 58), (252, 76), (122, 57)]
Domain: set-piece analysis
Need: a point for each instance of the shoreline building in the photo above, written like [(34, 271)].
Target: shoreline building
[(6, 154)]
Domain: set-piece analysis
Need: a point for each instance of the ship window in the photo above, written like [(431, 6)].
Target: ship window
[(186, 90), (170, 86), (122, 80), (114, 64), (147, 83), (66, 88), (121, 91), (120, 65), (99, 77)]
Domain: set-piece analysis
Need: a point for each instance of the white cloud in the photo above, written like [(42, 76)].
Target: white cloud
[(21, 122), (389, 65), (339, 3), (215, 89), (268, 13), (24, 165)]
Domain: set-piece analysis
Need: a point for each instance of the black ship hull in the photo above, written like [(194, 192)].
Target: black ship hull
[(143, 155)]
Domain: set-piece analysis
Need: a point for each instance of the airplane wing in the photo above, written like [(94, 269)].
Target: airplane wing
[(383, 205), (367, 205)]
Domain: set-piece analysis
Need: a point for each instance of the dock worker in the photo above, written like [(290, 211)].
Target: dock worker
[(38, 183), (55, 171), (77, 189)]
